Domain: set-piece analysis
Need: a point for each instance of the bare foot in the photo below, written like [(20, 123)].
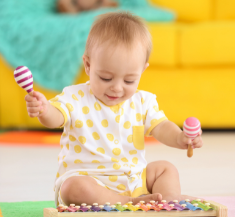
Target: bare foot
[(147, 198)]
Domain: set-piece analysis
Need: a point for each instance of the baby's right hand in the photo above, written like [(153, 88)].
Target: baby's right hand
[(37, 105)]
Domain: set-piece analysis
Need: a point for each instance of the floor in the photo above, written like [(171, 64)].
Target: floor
[(27, 173)]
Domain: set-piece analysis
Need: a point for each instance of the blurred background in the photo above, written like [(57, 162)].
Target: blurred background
[(192, 72)]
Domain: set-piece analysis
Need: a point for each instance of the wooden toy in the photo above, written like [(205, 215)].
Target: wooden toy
[(191, 129), (216, 210), (24, 78)]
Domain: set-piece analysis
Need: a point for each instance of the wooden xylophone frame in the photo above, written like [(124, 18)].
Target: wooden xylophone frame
[(219, 211)]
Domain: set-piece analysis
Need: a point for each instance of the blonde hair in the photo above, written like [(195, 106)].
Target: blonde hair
[(119, 27)]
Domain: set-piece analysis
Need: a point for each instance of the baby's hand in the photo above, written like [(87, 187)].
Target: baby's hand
[(37, 105), (183, 141)]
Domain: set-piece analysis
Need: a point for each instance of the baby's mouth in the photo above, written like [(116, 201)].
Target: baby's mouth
[(111, 97)]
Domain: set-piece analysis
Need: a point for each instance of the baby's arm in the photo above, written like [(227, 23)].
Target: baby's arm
[(171, 135), (48, 115)]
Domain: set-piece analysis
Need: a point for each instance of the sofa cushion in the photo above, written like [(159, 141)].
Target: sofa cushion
[(205, 44), (225, 10), (189, 10)]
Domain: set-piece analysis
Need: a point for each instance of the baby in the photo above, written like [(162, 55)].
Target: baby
[(102, 157)]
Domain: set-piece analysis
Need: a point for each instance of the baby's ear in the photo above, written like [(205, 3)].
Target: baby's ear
[(146, 65), (86, 62)]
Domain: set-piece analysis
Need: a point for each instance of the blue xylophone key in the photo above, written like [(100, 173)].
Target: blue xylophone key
[(189, 205)]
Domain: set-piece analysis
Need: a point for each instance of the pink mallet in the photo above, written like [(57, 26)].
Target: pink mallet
[(24, 78), (191, 128)]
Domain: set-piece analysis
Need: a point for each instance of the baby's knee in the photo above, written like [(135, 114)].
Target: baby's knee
[(162, 166), (75, 188)]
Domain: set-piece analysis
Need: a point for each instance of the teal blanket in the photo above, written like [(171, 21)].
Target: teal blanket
[(51, 45)]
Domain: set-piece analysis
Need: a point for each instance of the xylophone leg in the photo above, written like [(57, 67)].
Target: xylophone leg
[(221, 210), (50, 212)]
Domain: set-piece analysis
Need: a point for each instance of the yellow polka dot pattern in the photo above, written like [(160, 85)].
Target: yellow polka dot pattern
[(101, 167), (130, 138), (142, 100), (110, 137), (116, 166), (77, 161), (138, 117), (116, 151), (113, 178), (96, 136), (114, 160), (132, 152), (74, 97), (83, 173), (135, 160), (89, 123), (101, 150), (95, 161), (132, 105), (117, 119), (104, 123), (127, 125), (156, 108), (70, 107), (80, 92), (85, 110), (72, 138), (87, 141), (121, 187), (82, 139), (97, 106), (77, 148), (115, 109), (78, 123), (124, 159), (65, 164)]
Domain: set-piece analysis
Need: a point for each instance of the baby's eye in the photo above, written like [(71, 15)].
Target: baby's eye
[(129, 82), (104, 79)]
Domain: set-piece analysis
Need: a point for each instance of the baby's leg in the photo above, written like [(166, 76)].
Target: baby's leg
[(84, 189), (163, 177)]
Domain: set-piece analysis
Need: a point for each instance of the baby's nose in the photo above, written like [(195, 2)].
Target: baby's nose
[(117, 87)]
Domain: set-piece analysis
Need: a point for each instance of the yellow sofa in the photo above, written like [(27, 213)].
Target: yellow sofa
[(192, 68)]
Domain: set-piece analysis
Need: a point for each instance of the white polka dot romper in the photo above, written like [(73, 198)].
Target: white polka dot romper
[(105, 142)]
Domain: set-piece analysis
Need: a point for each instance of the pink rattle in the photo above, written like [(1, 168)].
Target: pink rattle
[(24, 78), (191, 128)]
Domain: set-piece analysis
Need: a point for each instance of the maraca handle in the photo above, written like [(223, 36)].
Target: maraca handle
[(190, 151)]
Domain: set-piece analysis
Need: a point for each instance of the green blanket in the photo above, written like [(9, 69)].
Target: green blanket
[(25, 209), (51, 45)]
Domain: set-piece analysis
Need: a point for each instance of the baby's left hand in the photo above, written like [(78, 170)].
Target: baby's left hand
[(183, 141)]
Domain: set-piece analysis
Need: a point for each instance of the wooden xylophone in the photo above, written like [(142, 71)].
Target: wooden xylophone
[(171, 209)]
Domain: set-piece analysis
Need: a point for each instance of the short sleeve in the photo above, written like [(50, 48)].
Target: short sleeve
[(153, 115), (61, 103)]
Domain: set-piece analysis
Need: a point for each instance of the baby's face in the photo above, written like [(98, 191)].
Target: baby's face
[(115, 71)]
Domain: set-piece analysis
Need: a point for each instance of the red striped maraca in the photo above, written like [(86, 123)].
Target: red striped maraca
[(24, 78), (191, 128)]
